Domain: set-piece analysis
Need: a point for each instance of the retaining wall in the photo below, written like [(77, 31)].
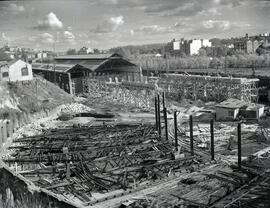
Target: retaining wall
[(17, 192), (9, 123)]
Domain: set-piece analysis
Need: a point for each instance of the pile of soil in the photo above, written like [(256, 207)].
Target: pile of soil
[(31, 96)]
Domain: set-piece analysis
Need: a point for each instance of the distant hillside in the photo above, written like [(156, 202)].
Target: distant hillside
[(31, 96), (139, 49)]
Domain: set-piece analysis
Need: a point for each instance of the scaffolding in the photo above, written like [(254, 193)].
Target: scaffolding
[(208, 88)]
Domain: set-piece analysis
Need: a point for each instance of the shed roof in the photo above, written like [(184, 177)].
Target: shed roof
[(115, 63), (88, 56), (252, 106), (9, 63), (51, 67), (231, 104), (87, 63)]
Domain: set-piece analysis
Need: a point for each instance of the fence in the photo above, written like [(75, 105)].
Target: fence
[(9, 123)]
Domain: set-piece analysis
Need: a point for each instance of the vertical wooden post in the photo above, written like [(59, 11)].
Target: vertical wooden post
[(163, 99), (191, 134), (175, 131), (212, 140), (1, 134), (158, 111), (166, 123), (239, 145), (68, 170)]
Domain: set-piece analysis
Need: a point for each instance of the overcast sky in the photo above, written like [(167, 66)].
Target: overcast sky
[(108, 23)]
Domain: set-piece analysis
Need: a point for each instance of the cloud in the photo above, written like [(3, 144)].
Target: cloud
[(113, 2), (12, 8), (216, 24), (109, 25), (4, 37), (210, 12), (168, 8), (217, 27), (231, 3), (188, 9), (49, 22), (152, 29), (47, 38), (68, 36)]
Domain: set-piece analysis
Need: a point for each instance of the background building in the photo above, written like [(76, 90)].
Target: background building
[(85, 50), (15, 70), (69, 71), (187, 47), (249, 44)]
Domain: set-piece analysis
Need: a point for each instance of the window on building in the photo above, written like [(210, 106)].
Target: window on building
[(5, 74), (231, 113), (25, 71)]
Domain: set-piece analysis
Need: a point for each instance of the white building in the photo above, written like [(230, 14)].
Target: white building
[(197, 44), (176, 45), (41, 55), (15, 70)]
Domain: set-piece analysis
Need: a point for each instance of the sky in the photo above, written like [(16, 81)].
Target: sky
[(102, 24)]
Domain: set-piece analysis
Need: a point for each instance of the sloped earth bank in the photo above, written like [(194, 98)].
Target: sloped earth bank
[(31, 96)]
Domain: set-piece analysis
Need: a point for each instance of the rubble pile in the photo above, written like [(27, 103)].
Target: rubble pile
[(75, 108)]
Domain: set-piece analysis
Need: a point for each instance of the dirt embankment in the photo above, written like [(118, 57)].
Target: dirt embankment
[(31, 96)]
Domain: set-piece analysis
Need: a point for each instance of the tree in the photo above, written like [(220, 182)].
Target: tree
[(4, 57), (96, 51), (124, 51), (71, 52), (202, 52)]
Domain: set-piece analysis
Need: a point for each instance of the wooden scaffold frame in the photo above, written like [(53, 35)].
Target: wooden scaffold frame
[(208, 88)]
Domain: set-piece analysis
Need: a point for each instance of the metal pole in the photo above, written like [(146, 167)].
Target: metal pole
[(212, 140), (166, 123), (158, 111), (175, 131), (239, 145), (163, 99), (191, 134)]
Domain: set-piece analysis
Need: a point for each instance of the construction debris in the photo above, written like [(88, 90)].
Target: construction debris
[(101, 156)]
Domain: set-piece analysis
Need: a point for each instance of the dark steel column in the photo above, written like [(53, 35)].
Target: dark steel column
[(212, 140), (163, 99), (156, 113), (159, 121), (175, 131), (239, 145), (191, 134), (166, 123)]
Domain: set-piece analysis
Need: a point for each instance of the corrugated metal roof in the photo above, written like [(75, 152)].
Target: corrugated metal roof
[(88, 56), (52, 67), (90, 64), (118, 64)]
